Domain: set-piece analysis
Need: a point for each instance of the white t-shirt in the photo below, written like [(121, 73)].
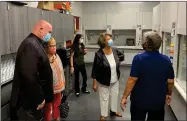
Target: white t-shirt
[(112, 63)]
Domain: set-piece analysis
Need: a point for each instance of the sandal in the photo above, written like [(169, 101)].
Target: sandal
[(117, 114), (102, 118)]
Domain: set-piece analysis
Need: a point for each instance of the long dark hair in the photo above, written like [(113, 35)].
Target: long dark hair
[(76, 41)]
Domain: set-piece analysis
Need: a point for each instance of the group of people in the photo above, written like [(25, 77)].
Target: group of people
[(39, 77)]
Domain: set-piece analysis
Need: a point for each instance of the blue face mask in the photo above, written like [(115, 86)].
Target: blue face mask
[(110, 42), (47, 37)]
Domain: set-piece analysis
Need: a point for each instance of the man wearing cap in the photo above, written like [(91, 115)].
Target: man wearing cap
[(33, 80), (150, 82)]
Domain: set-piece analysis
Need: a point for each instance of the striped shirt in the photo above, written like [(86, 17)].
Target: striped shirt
[(58, 75)]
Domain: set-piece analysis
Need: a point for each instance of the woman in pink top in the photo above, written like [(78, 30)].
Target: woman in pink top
[(58, 82)]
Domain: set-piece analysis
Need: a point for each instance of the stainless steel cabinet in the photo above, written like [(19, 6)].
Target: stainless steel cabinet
[(57, 26), (4, 29), (34, 15), (46, 15), (69, 27), (18, 21)]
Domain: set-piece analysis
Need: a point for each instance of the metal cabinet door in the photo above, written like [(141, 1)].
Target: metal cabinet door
[(69, 27), (34, 15), (18, 25), (63, 26), (46, 15), (65, 30), (53, 17), (4, 32), (57, 29)]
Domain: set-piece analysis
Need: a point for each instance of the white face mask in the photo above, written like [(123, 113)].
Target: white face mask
[(81, 40)]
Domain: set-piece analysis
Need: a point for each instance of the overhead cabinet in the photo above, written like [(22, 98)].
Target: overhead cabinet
[(19, 27), (169, 15), (17, 23), (57, 28), (181, 24), (125, 20), (95, 21), (156, 22), (4, 29), (69, 31), (34, 15)]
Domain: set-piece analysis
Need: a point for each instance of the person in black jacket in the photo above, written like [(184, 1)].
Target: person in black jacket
[(106, 73), (77, 63), (33, 80)]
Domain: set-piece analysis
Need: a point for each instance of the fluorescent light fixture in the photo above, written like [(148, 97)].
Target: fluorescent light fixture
[(128, 2)]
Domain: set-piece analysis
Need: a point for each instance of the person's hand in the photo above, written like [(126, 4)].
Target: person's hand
[(72, 69), (123, 103), (85, 51), (168, 99), (95, 86), (40, 106)]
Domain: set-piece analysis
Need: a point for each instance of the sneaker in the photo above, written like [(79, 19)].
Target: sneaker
[(86, 91), (77, 94)]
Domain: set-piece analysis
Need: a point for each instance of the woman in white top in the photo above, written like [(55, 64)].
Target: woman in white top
[(105, 74)]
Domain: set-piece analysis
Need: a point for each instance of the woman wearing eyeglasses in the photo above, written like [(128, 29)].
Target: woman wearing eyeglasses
[(58, 82)]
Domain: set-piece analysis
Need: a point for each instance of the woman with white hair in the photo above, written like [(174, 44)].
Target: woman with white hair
[(150, 82)]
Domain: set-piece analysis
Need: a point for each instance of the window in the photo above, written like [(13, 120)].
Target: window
[(181, 75)]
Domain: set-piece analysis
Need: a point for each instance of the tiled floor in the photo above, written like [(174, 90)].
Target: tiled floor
[(86, 107)]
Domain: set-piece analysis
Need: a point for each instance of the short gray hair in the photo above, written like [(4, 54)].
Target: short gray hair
[(151, 41)]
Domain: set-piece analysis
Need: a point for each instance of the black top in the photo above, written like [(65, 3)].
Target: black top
[(33, 80), (78, 58), (101, 68)]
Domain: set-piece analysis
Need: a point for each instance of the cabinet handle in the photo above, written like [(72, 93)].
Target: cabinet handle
[(8, 7), (11, 47)]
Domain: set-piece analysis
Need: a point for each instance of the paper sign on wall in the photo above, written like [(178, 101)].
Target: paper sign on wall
[(109, 29), (138, 35), (173, 30)]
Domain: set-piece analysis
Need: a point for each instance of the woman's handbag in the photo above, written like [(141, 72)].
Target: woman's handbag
[(64, 106)]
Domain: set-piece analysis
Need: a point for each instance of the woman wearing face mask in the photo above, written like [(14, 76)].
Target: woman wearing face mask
[(105, 74), (78, 65), (58, 82)]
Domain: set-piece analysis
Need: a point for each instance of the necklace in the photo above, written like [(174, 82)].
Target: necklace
[(53, 59)]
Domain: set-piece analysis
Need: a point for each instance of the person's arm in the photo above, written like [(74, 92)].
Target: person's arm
[(29, 72), (132, 78), (71, 58), (170, 81), (129, 86)]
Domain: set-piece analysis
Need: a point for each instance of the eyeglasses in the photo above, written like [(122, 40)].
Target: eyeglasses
[(51, 45)]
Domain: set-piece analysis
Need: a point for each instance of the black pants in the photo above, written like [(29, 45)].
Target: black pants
[(82, 69), (139, 114), (27, 115)]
